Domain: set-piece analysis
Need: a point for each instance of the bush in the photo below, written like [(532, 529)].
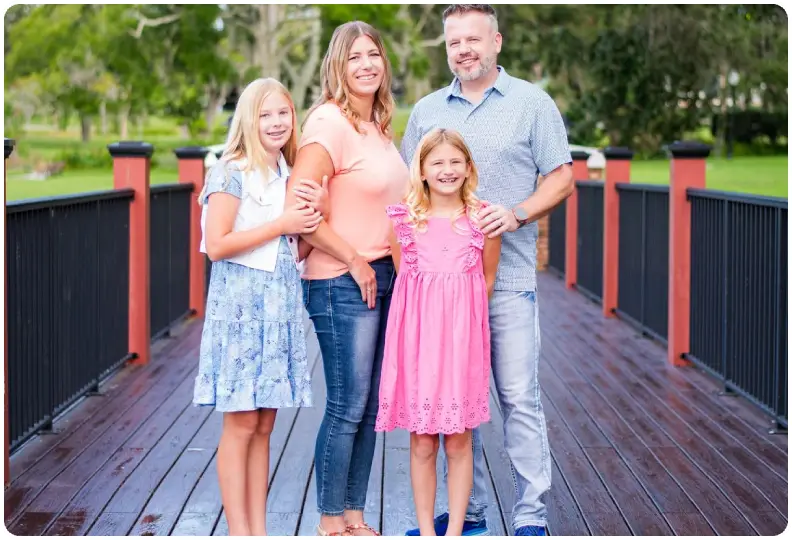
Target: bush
[(85, 158)]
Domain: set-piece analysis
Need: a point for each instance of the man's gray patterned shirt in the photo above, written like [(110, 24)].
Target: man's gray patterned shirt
[(515, 133)]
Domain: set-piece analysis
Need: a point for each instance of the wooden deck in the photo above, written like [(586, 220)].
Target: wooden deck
[(638, 449)]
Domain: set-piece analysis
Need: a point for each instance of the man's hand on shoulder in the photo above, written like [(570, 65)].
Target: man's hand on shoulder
[(496, 220)]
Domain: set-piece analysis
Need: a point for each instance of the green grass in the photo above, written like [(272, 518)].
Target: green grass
[(73, 182), (756, 175)]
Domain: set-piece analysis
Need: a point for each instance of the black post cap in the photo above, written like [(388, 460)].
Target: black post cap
[(130, 149), (578, 155), (618, 152), (9, 147), (191, 152), (689, 150)]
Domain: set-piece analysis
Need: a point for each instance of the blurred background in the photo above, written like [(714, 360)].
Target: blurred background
[(78, 77)]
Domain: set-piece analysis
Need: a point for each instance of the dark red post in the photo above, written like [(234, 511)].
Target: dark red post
[(579, 172), (192, 171), (688, 170), (131, 169), (9, 147), (617, 170)]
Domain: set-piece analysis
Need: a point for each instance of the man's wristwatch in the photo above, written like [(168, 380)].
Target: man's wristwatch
[(520, 215)]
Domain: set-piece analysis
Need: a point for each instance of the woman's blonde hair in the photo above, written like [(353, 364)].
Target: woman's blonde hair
[(333, 76), (418, 199), (243, 142)]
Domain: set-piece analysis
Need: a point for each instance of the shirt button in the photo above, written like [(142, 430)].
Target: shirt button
[(291, 240)]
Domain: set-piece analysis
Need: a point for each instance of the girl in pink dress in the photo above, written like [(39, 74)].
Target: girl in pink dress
[(436, 365)]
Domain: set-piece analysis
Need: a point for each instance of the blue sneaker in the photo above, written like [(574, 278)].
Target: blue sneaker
[(470, 528), (530, 530)]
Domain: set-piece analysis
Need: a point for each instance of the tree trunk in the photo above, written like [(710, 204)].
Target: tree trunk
[(85, 128), (184, 129), (103, 117), (123, 120), (723, 95), (265, 34), (217, 96), (302, 79)]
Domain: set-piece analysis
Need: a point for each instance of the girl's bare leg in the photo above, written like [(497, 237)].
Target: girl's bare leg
[(459, 452), (232, 459), (423, 473), (258, 472)]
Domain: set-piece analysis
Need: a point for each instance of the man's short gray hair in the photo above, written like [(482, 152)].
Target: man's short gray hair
[(461, 9)]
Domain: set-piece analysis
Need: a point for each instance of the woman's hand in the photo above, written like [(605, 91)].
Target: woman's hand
[(314, 195), (299, 219), (364, 276)]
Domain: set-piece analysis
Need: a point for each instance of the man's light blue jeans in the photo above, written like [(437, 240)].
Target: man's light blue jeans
[(514, 325)]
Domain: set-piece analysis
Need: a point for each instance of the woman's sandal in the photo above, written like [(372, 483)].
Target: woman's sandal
[(321, 532), (361, 525)]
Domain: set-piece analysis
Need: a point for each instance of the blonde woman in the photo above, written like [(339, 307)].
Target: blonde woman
[(253, 357), (348, 276), (436, 367)]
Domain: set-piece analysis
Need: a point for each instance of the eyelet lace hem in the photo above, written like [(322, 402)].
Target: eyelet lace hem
[(447, 418)]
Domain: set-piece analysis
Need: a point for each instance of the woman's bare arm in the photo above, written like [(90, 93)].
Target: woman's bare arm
[(313, 162)]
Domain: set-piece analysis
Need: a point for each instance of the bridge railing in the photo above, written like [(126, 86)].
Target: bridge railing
[(92, 279), (703, 272)]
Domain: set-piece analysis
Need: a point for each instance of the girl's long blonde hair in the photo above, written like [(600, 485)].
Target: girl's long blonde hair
[(418, 199), (243, 142), (333, 76)]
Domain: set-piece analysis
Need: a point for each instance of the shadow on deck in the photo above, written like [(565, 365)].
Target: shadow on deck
[(639, 448)]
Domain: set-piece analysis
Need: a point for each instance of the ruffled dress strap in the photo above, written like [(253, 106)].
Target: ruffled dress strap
[(405, 235), (476, 241)]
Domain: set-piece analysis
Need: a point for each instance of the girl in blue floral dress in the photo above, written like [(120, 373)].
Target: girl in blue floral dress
[(253, 357)]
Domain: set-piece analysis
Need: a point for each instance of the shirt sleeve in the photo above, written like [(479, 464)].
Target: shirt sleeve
[(328, 127), (549, 141), (412, 136), (223, 177)]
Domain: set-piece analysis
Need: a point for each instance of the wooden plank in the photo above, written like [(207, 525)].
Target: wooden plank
[(144, 425), (667, 495), (309, 517), (113, 524), (398, 509), (730, 477), (722, 516), (163, 508), (563, 513), (289, 485), (639, 511), (597, 507), (93, 435), (138, 487), (700, 387), (120, 387), (684, 524), (679, 467), (742, 488)]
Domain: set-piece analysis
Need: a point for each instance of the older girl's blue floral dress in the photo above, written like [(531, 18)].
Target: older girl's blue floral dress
[(253, 352)]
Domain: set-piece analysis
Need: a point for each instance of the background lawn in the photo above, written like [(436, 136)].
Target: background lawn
[(757, 175)]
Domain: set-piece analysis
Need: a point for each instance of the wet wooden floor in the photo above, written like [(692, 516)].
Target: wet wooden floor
[(638, 449)]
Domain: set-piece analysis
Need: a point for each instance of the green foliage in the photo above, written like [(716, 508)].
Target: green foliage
[(635, 75)]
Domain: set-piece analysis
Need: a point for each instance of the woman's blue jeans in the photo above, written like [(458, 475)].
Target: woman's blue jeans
[(351, 338)]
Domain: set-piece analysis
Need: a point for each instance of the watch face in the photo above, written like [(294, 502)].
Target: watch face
[(520, 214)]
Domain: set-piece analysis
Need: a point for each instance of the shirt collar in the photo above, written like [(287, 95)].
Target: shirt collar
[(282, 172), (502, 84)]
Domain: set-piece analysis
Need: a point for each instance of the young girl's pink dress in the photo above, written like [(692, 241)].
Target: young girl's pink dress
[(436, 364)]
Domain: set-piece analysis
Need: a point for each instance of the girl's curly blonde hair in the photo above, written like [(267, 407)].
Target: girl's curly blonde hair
[(418, 200)]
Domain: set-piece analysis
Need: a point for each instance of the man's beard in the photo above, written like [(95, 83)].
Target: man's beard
[(485, 65)]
